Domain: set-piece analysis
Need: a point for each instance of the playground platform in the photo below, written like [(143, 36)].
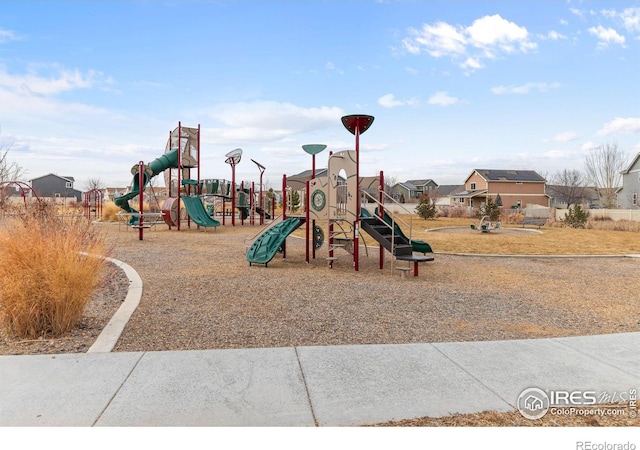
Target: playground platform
[(306, 386)]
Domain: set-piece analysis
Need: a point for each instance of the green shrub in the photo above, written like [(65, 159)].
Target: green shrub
[(490, 209), (47, 275), (426, 208), (576, 217)]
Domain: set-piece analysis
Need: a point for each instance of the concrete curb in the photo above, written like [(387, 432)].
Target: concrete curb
[(109, 336)]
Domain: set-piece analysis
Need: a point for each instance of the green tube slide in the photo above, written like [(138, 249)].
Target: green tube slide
[(158, 165)]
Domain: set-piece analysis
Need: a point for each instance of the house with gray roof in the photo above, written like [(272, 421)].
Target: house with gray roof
[(514, 188)]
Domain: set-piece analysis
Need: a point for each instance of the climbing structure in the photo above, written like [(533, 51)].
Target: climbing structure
[(335, 199)]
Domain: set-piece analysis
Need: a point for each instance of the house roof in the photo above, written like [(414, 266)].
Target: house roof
[(446, 189), (468, 194), (633, 163), (421, 182), (307, 174), (509, 175), (54, 175)]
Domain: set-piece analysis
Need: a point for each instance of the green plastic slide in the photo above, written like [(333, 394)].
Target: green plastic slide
[(158, 165), (266, 246), (197, 212)]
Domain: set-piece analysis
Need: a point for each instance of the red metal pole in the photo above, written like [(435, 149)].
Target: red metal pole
[(179, 170), (306, 222), (284, 212), (356, 224), (313, 225), (141, 197), (381, 214), (233, 194), (244, 196), (252, 202)]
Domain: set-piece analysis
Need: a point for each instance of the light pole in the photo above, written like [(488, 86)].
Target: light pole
[(233, 159), (313, 150), (261, 168), (357, 124)]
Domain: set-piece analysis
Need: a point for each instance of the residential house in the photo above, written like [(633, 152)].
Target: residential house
[(298, 182), (55, 186), (561, 196), (628, 195), (515, 188), (441, 194), (410, 191)]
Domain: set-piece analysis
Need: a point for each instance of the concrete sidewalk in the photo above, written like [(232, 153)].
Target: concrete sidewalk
[(306, 386)]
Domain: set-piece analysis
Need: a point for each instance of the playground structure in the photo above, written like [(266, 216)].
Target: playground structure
[(93, 203), (485, 225), (337, 200), (192, 198)]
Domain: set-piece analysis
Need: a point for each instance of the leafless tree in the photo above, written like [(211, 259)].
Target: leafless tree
[(603, 166), (94, 183), (9, 170), (570, 186)]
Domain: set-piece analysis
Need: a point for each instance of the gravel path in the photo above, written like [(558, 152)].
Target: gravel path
[(200, 293)]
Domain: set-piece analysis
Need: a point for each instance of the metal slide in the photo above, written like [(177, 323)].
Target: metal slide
[(198, 213), (265, 247)]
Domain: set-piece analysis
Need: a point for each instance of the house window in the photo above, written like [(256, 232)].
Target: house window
[(473, 186), (69, 185), (56, 195), (461, 201)]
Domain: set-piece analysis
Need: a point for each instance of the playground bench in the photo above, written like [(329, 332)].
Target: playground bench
[(533, 221)]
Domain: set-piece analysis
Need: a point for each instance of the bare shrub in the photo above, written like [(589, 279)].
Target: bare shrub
[(48, 271), (109, 212)]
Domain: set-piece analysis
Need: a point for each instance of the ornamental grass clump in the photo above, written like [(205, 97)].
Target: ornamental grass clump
[(48, 272)]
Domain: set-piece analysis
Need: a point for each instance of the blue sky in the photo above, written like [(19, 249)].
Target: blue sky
[(88, 89)]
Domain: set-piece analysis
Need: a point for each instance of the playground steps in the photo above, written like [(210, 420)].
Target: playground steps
[(398, 245)]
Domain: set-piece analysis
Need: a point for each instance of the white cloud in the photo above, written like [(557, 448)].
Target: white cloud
[(390, 101), (488, 37), (587, 146), (606, 36), (631, 19), (438, 40), (552, 36), (490, 32), (524, 88), (266, 121), (620, 125), (57, 80), (443, 99), (7, 36), (566, 136), (331, 67)]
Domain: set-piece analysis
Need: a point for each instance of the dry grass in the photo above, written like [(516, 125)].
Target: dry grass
[(587, 416), (552, 240), (46, 279), (109, 212)]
